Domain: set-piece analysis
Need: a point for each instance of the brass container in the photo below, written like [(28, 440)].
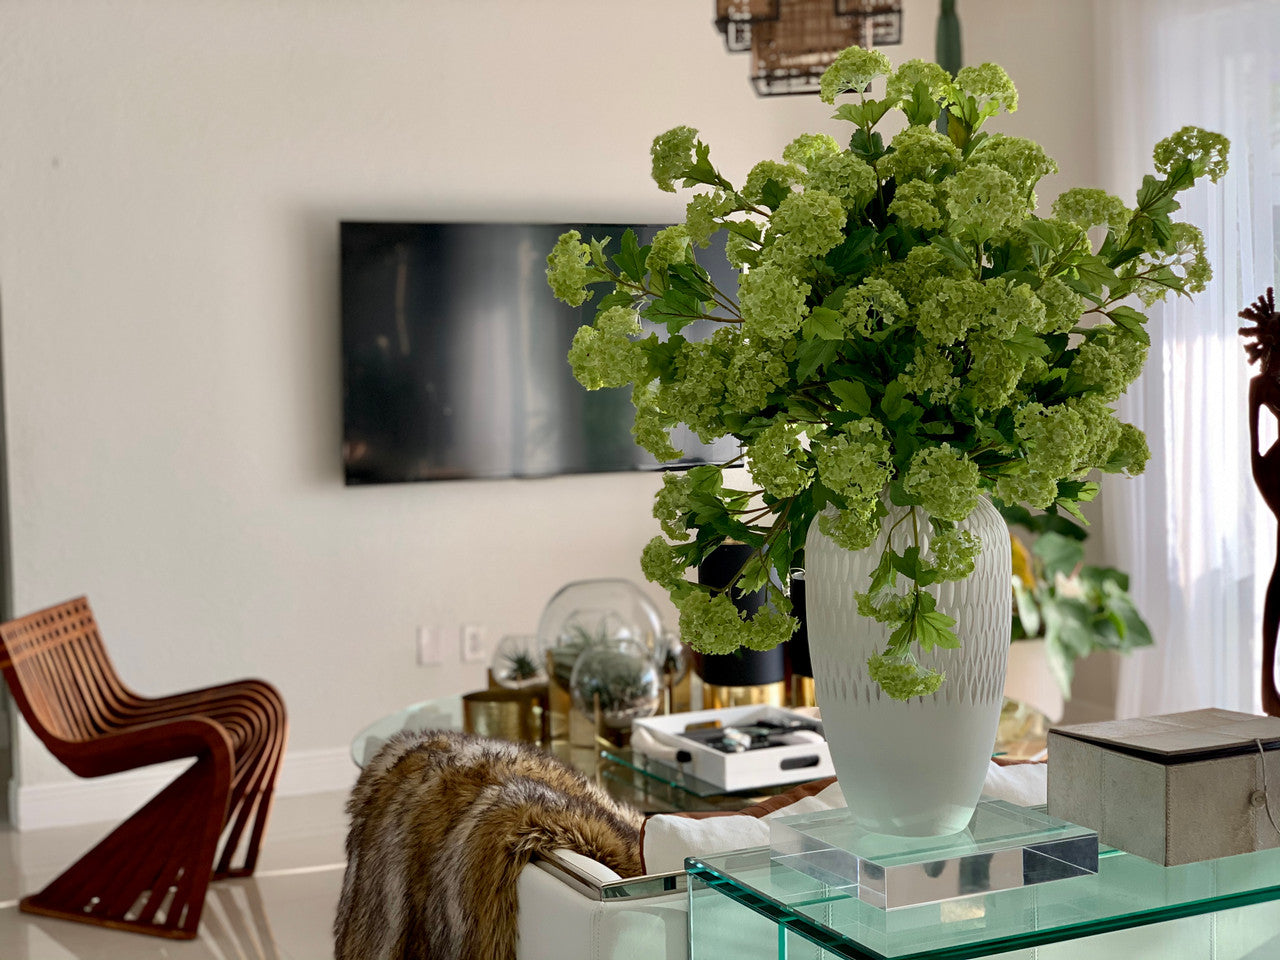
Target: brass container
[(766, 694), (504, 714), (803, 693)]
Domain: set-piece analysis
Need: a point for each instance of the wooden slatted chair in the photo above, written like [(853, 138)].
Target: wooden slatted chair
[(150, 874)]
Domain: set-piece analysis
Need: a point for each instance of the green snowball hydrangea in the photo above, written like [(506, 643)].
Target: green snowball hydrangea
[(672, 504), (931, 373), (772, 302), (902, 84), (805, 225), (853, 529), (1063, 307), (952, 308), (1021, 484), (902, 679), (842, 175), (652, 428), (1109, 360), (605, 355), (672, 156), (569, 269), (1024, 160), (944, 480), (954, 553), (915, 205), (755, 371), (660, 564), (670, 245), (785, 175), (990, 86), (852, 70), (983, 201), (919, 153), (1130, 454), (776, 460), (855, 462), (810, 147), (1206, 151), (873, 304)]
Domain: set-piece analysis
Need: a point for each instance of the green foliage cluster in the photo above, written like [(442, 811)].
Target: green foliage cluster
[(1075, 607), (907, 333)]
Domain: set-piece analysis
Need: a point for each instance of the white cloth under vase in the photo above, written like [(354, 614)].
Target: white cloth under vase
[(910, 768)]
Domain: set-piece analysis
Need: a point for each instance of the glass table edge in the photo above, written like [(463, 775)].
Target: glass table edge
[(833, 941)]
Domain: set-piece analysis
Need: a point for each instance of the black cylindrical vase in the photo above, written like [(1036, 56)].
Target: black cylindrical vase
[(742, 668), (798, 645)]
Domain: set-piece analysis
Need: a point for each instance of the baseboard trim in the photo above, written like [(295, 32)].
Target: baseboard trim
[(113, 798)]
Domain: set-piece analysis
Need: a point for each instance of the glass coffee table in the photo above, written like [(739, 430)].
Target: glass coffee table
[(630, 776), (744, 905)]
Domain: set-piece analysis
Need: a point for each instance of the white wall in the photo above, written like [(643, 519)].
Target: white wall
[(171, 180)]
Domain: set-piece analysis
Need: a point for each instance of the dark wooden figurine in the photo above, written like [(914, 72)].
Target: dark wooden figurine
[(1264, 391)]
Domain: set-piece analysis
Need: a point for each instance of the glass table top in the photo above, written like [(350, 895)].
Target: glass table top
[(1126, 892)]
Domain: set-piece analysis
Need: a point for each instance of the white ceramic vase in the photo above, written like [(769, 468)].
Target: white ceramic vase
[(910, 768)]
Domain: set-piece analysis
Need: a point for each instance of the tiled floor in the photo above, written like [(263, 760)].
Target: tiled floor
[(285, 912)]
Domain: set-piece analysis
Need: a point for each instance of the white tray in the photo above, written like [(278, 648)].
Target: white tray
[(763, 767)]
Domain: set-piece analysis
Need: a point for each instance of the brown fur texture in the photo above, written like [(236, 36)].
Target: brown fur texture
[(442, 823)]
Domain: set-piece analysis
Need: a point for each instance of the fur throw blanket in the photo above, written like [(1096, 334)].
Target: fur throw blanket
[(442, 824)]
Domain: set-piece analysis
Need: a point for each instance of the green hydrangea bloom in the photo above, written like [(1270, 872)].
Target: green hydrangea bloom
[(983, 201), (874, 303), (1207, 152), (1056, 439), (855, 462), (944, 480), (1100, 426), (672, 154), (902, 679), (1088, 207), (786, 175), (954, 553), (1024, 160), (805, 225), (604, 355), (660, 564), (1021, 485), (887, 608), (702, 217), (710, 624), (1014, 304), (1109, 360), (696, 394), (951, 308), (1130, 453), (915, 205), (1186, 258), (931, 373), (652, 428), (672, 503), (852, 70), (772, 302), (808, 147), (569, 269), (989, 85), (670, 245), (903, 82), (741, 251), (995, 371), (919, 153), (755, 371), (1063, 307), (777, 461), (853, 529), (844, 176), (768, 628), (911, 277)]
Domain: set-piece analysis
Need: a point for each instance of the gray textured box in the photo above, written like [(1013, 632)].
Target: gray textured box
[(1175, 788)]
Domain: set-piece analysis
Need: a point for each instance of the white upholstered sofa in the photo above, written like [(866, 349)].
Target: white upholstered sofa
[(572, 908)]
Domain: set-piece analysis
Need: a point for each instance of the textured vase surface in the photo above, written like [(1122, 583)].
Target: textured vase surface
[(916, 767)]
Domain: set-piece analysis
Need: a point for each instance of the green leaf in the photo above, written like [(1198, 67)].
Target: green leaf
[(869, 148), (702, 171), (1131, 321), (1134, 632), (812, 355), (854, 254), (1095, 272), (853, 396), (691, 280), (934, 629), (921, 109), (956, 252), (895, 405), (1026, 609), (1071, 508), (1059, 554), (1027, 344), (630, 259), (823, 324)]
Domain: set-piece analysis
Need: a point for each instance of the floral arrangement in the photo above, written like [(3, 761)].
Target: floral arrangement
[(905, 329)]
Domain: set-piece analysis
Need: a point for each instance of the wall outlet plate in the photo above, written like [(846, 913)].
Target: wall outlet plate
[(474, 648)]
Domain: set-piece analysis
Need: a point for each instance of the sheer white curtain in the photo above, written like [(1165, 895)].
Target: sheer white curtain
[(1192, 531)]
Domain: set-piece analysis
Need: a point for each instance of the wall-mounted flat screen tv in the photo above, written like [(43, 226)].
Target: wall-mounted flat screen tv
[(454, 358)]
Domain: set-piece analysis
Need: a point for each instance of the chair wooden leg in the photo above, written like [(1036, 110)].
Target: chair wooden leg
[(150, 874), (259, 714)]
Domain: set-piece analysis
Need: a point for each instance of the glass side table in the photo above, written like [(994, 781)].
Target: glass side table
[(743, 905), (631, 777)]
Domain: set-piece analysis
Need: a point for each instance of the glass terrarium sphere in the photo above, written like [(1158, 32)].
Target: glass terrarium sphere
[(619, 673), (587, 611), (518, 662)]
